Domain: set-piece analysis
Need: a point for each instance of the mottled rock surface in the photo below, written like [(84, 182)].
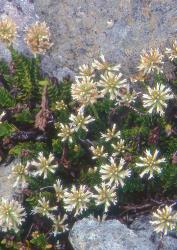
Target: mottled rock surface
[(6, 184), (83, 29), (89, 234)]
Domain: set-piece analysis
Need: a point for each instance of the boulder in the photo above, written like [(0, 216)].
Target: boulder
[(81, 30), (89, 234)]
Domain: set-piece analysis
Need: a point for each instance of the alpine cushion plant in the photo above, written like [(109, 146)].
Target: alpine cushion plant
[(93, 143)]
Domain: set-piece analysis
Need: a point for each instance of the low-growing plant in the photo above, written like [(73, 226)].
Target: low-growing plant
[(83, 146)]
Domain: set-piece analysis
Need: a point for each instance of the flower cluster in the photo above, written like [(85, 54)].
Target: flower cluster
[(150, 163), (172, 52), (156, 99), (164, 219), (8, 30), (12, 214), (38, 38)]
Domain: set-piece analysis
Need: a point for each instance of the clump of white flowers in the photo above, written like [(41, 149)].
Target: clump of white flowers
[(85, 91), (59, 224), (86, 71), (80, 121), (43, 208), (43, 165), (156, 99), (172, 52), (150, 163), (12, 215), (1, 116), (66, 132), (98, 152), (151, 61), (119, 147), (105, 195), (59, 190), (164, 219), (111, 133), (114, 173), (111, 83), (77, 199), (104, 65)]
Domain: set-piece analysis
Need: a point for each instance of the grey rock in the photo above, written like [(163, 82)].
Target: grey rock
[(82, 29), (6, 184), (89, 234)]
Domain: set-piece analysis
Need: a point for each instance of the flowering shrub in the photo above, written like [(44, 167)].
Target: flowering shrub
[(87, 145)]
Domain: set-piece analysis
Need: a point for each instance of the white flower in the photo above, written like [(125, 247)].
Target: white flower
[(164, 219), (44, 166), (77, 199), (119, 147), (12, 214), (172, 52), (80, 121), (59, 190), (111, 83), (105, 195), (156, 98), (84, 91), (150, 163), (19, 174), (59, 225), (86, 70), (43, 208), (102, 64), (1, 116), (98, 152), (126, 96), (114, 172), (151, 61), (111, 133), (66, 132)]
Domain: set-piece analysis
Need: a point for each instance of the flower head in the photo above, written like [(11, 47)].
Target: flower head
[(151, 61), (150, 163), (103, 65), (119, 147), (38, 38), (8, 30), (111, 133), (114, 172), (59, 190), (43, 208), (111, 83), (105, 195), (66, 132), (77, 199), (60, 105), (86, 70), (80, 121), (84, 91), (98, 152), (172, 52), (19, 174), (12, 214), (44, 166), (156, 98), (164, 219), (59, 225), (126, 96)]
